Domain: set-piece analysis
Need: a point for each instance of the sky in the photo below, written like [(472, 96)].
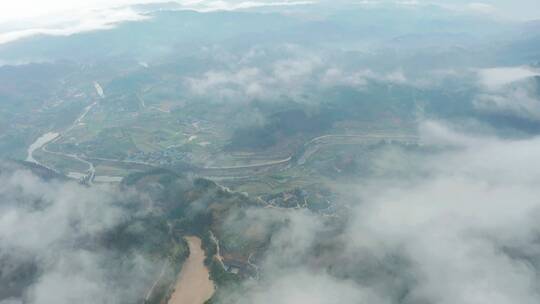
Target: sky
[(24, 9), (513, 9), (27, 9)]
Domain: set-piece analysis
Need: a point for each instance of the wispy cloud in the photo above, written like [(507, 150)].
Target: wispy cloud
[(463, 231), (64, 18), (207, 6), (52, 243), (495, 78), (510, 91), (88, 21)]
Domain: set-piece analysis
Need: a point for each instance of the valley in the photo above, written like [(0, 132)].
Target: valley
[(259, 152)]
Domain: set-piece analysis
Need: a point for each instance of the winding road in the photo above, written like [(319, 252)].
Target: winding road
[(309, 149), (300, 157), (48, 138)]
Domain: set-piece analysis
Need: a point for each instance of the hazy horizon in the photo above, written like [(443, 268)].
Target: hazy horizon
[(60, 17)]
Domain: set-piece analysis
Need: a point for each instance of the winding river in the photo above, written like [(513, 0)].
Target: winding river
[(38, 144), (193, 285)]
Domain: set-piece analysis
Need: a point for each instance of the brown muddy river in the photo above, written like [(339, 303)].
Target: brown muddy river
[(193, 285)]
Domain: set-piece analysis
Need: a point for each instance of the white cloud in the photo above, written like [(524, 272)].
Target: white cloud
[(509, 91), (495, 78), (463, 231), (338, 76), (206, 6), (316, 288), (24, 18), (508, 9), (56, 228), (518, 102), (483, 8), (286, 77), (459, 225), (88, 21), (299, 73), (244, 83)]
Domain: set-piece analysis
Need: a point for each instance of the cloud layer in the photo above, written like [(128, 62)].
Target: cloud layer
[(51, 244), (511, 91), (461, 229), (63, 18)]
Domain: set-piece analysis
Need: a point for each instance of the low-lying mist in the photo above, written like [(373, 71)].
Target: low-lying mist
[(58, 245), (461, 229)]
